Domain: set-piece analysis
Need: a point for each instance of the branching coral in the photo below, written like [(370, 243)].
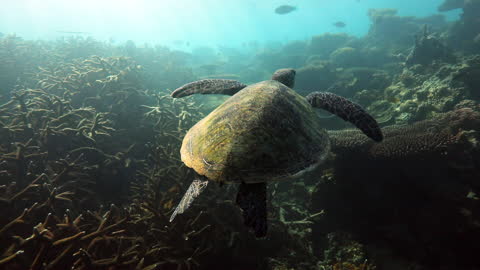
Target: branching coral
[(74, 129)]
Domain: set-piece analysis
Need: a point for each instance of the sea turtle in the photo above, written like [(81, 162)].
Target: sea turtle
[(264, 132)]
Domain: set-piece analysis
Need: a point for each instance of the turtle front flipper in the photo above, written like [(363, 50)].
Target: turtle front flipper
[(348, 111), (209, 86), (252, 199), (193, 191)]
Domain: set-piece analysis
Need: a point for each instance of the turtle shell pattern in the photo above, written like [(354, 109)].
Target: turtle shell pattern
[(265, 132)]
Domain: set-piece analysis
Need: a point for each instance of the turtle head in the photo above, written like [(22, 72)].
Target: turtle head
[(285, 76)]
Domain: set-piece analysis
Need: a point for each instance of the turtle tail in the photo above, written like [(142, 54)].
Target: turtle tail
[(210, 86), (348, 111)]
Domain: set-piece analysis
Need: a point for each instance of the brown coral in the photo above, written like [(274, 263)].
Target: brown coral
[(424, 138), (415, 189)]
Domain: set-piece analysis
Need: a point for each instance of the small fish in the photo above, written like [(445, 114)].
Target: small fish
[(284, 9), (340, 24)]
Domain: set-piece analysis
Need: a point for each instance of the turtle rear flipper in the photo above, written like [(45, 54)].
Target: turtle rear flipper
[(195, 188), (252, 199), (209, 86), (348, 111)]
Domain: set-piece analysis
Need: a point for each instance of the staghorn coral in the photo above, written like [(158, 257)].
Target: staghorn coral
[(80, 134), (60, 156), (344, 252)]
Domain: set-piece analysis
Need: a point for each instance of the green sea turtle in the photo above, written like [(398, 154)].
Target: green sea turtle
[(264, 132)]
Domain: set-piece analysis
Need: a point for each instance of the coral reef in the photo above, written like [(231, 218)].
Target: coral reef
[(346, 57), (461, 35), (90, 169), (389, 29), (419, 92), (408, 202), (60, 162), (396, 32), (428, 49), (325, 44), (410, 142)]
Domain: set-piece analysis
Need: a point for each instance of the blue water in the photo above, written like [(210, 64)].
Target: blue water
[(206, 22)]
